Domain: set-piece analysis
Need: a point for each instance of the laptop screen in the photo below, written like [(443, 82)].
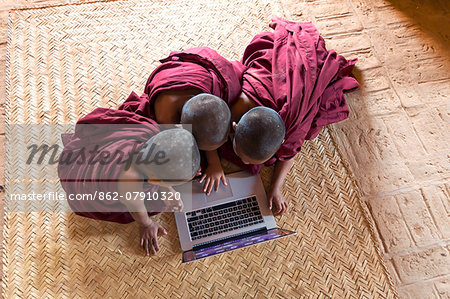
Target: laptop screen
[(234, 243)]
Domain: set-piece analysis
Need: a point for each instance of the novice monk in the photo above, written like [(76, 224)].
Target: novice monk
[(179, 78), (290, 71), (119, 142), (210, 119)]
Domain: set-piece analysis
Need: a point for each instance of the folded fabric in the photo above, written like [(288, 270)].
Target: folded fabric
[(199, 68), (101, 132), (291, 71)]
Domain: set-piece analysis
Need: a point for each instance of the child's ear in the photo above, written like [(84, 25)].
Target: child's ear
[(234, 126)]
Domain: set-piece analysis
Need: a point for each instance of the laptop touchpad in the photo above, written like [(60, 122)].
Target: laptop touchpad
[(222, 193)]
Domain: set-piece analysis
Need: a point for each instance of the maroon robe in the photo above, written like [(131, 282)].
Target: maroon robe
[(100, 128), (291, 71), (197, 68)]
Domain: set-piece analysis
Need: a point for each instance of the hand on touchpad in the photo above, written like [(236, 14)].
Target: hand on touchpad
[(222, 193)]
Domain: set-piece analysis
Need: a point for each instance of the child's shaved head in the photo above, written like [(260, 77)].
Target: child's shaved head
[(171, 155), (259, 134), (210, 118)]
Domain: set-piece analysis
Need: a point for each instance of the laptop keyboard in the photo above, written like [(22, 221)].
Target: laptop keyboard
[(223, 218)]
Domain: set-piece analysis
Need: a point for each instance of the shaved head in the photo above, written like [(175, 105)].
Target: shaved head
[(210, 118), (259, 133), (174, 154)]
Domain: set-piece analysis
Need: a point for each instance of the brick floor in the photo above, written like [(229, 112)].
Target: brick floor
[(396, 139)]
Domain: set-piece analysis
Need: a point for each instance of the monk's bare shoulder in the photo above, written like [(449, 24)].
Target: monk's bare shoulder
[(241, 106), (168, 105)]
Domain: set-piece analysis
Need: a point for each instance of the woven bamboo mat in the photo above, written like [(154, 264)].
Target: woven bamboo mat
[(64, 61)]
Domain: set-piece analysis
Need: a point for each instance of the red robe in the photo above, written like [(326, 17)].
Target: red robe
[(110, 130), (291, 71), (197, 68)]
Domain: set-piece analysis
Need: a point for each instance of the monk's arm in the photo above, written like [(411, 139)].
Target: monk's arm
[(281, 170), (279, 175), (214, 173), (130, 181), (212, 157)]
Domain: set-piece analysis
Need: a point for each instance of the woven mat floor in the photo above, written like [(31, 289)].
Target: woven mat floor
[(64, 61)]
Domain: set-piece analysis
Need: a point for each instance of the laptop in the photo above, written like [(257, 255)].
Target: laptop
[(235, 216)]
